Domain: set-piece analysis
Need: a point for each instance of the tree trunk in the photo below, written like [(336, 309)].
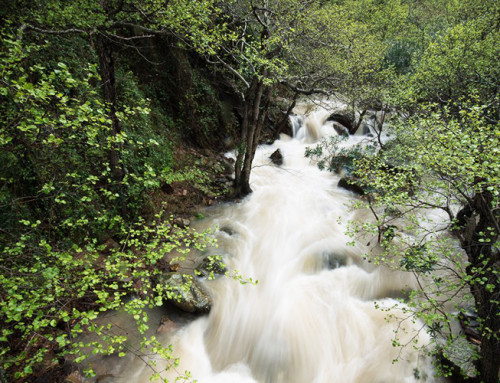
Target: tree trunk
[(280, 126), (107, 72), (104, 50), (480, 233), (255, 112), (240, 189)]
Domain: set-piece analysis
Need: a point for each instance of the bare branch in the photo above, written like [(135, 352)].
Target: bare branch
[(234, 71), (130, 38), (306, 92), (52, 31)]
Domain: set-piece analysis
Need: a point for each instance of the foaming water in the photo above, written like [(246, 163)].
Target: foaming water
[(312, 316)]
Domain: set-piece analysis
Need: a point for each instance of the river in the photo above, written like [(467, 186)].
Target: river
[(312, 317)]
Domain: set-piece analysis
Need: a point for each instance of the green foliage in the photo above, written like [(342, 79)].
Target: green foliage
[(434, 189), (62, 211), (452, 160), (461, 61), (200, 107), (51, 121), (55, 295), (332, 156)]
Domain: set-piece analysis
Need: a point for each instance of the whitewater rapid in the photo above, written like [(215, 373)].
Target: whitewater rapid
[(312, 317)]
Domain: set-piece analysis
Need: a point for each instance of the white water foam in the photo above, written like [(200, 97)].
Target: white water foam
[(303, 322)]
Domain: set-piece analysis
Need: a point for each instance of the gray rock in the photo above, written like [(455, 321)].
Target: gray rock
[(334, 261), (344, 118), (349, 183), (211, 267), (182, 222), (277, 157), (186, 292)]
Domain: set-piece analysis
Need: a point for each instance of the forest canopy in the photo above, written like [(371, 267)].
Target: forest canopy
[(99, 100)]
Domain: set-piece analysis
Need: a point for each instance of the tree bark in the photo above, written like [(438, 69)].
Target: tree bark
[(480, 233), (255, 112), (104, 50), (107, 72)]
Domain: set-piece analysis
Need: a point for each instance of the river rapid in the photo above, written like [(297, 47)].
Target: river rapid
[(312, 317)]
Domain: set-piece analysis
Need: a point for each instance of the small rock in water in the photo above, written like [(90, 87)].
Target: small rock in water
[(191, 296), (227, 230), (344, 118), (340, 129), (211, 266), (277, 157), (166, 326), (334, 261)]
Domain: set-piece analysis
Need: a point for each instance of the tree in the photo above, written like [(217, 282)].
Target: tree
[(433, 188), (70, 167), (294, 45), (443, 163), (109, 24)]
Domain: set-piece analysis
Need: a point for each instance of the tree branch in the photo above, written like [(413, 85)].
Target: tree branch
[(306, 92), (51, 31)]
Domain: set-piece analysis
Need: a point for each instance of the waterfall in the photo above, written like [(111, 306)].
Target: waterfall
[(312, 316)]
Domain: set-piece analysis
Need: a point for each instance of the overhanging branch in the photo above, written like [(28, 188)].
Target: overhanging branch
[(306, 92), (52, 31)]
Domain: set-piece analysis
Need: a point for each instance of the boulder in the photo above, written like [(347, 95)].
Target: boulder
[(187, 293), (277, 157), (345, 119), (349, 183), (334, 261), (340, 129)]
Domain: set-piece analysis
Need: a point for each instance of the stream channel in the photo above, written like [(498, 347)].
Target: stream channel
[(312, 316)]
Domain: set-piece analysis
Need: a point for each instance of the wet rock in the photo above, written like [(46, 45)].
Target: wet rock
[(277, 157), (228, 230), (188, 294), (334, 261), (349, 183), (211, 266), (166, 326), (345, 119), (340, 129), (182, 222), (227, 164)]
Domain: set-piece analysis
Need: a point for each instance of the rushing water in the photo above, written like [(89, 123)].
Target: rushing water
[(312, 317)]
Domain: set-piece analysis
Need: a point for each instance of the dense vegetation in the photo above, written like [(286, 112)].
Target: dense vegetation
[(433, 186), (98, 97)]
